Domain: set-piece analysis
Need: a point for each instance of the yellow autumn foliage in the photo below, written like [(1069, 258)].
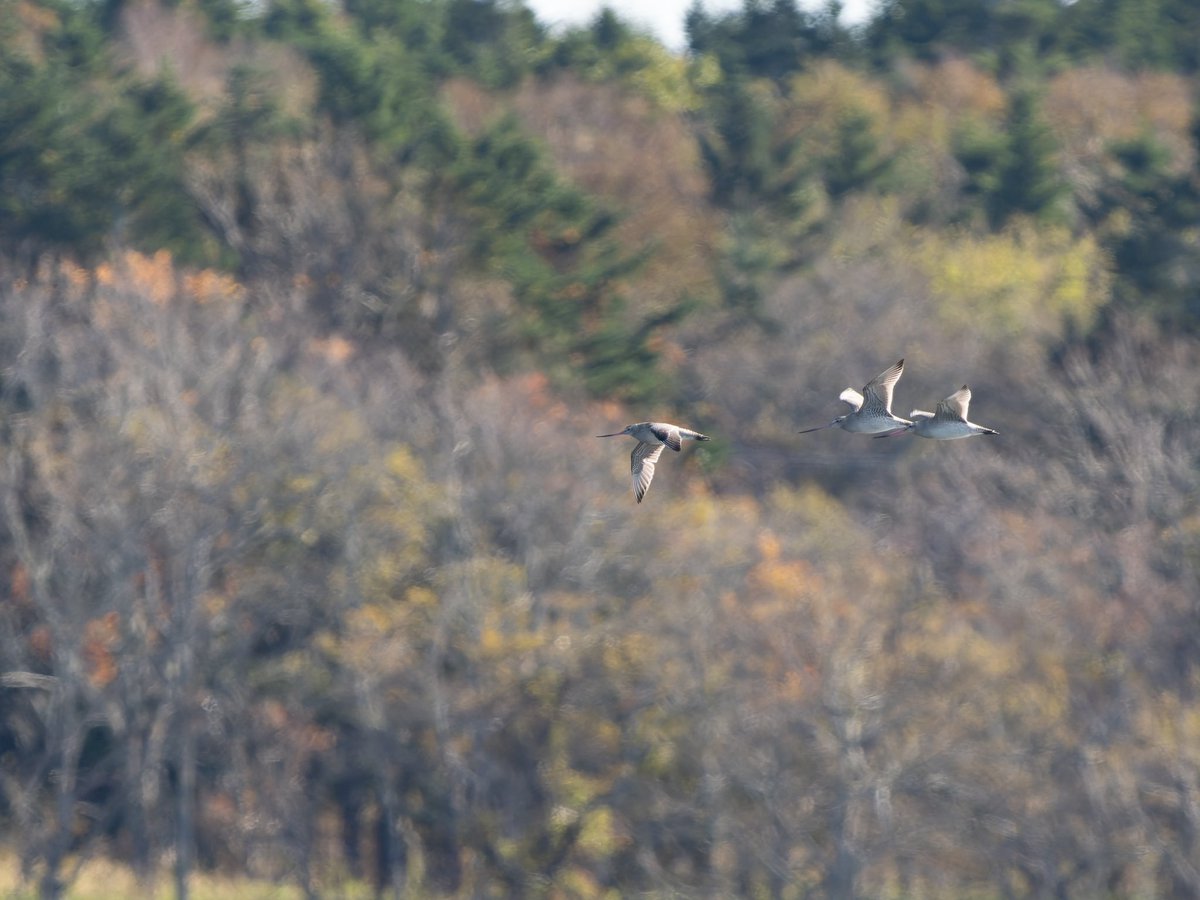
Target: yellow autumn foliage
[(600, 836), (1022, 281), (663, 78), (829, 92)]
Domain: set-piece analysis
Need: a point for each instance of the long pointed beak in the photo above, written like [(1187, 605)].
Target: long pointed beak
[(614, 434), (815, 428)]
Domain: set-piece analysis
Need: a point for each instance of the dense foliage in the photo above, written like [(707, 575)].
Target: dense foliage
[(314, 574)]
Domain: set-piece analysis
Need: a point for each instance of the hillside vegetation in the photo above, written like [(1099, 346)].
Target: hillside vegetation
[(312, 572)]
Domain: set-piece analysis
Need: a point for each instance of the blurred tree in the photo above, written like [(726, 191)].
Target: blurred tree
[(1012, 168), (555, 246), (925, 29), (981, 148), (1030, 182), (857, 161), (610, 50), (762, 178), (494, 42), (1039, 33), (150, 134), (380, 80), (50, 197), (771, 40), (1156, 34), (746, 161), (1147, 213), (87, 157), (246, 121)]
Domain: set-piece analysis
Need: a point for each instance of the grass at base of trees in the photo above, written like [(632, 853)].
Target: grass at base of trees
[(103, 879)]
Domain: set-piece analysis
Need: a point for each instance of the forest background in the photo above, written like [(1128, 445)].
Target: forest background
[(316, 583)]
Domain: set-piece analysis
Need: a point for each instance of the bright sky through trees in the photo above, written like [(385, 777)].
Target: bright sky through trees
[(662, 17)]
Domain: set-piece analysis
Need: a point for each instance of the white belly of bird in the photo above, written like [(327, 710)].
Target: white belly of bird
[(943, 431)]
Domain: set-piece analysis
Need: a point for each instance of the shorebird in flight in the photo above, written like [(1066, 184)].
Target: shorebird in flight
[(651, 438), (872, 409), (949, 423)]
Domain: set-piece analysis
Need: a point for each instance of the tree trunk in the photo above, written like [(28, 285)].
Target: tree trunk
[(184, 815)]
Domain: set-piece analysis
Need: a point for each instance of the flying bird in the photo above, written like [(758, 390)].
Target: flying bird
[(949, 423), (651, 438), (872, 409)]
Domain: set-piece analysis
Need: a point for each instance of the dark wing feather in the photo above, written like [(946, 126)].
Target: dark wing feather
[(668, 434)]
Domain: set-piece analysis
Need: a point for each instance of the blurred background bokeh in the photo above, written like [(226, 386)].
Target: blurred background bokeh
[(314, 581)]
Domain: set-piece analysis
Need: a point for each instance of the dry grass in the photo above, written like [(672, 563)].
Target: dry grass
[(102, 879)]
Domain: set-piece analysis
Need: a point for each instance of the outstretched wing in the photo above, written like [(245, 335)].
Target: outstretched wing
[(878, 391), (643, 458), (955, 406), (852, 397)]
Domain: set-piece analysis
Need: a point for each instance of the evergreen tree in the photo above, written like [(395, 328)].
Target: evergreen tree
[(1149, 217), (926, 28), (1131, 33), (1012, 171), (149, 134), (771, 40), (1162, 34), (857, 160), (607, 50), (378, 72), (761, 178), (493, 42), (555, 246), (748, 161), (86, 157), (1030, 182)]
